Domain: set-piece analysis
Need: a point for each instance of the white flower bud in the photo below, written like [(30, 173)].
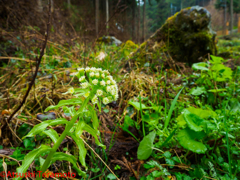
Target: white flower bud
[(105, 100), (99, 92), (103, 83), (91, 74), (84, 85), (82, 78), (95, 81)]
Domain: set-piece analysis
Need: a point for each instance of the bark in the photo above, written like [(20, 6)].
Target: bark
[(139, 17), (107, 16), (231, 16), (40, 7), (97, 16), (133, 20), (69, 4), (52, 7), (144, 14)]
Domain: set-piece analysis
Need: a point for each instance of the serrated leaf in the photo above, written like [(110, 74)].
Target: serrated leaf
[(82, 149), (39, 128), (171, 162), (52, 134), (146, 146), (156, 174), (28, 159), (200, 66), (61, 103), (167, 154), (186, 138)]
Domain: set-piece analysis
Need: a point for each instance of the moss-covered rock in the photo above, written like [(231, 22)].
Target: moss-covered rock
[(110, 40), (186, 36)]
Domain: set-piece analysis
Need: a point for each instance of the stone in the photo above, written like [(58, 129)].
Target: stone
[(110, 40), (186, 36)]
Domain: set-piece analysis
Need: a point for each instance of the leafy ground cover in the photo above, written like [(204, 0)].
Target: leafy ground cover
[(166, 123)]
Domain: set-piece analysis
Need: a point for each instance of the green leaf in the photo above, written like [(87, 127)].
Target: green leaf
[(52, 134), (73, 101), (128, 122), (83, 126), (217, 90), (198, 91), (137, 105), (216, 60), (59, 156), (95, 121), (146, 146), (111, 176), (28, 159), (168, 138), (28, 142), (170, 162), (204, 114), (186, 138), (200, 66), (156, 174), (171, 109), (95, 134), (81, 148), (39, 128), (167, 154), (191, 120)]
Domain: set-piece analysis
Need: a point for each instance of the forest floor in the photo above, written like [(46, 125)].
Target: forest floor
[(165, 124)]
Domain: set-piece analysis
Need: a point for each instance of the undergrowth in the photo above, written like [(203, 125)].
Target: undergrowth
[(159, 128)]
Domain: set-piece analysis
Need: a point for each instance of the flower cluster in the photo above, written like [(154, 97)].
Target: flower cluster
[(100, 82)]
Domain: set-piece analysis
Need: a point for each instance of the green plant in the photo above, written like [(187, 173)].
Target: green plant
[(195, 127), (98, 86), (212, 78)]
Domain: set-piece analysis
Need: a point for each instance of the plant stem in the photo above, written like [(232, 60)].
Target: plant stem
[(61, 138), (157, 149)]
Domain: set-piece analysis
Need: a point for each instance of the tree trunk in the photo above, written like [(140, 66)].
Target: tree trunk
[(97, 16), (52, 6), (107, 16), (231, 16), (144, 14), (69, 4), (139, 17), (40, 7), (133, 20)]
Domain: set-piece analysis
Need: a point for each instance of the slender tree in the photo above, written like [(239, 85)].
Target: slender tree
[(52, 7), (133, 19), (107, 16), (139, 18), (69, 4), (231, 16), (40, 7), (97, 15), (144, 19)]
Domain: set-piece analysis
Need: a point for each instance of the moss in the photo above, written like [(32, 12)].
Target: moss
[(186, 36), (104, 39)]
